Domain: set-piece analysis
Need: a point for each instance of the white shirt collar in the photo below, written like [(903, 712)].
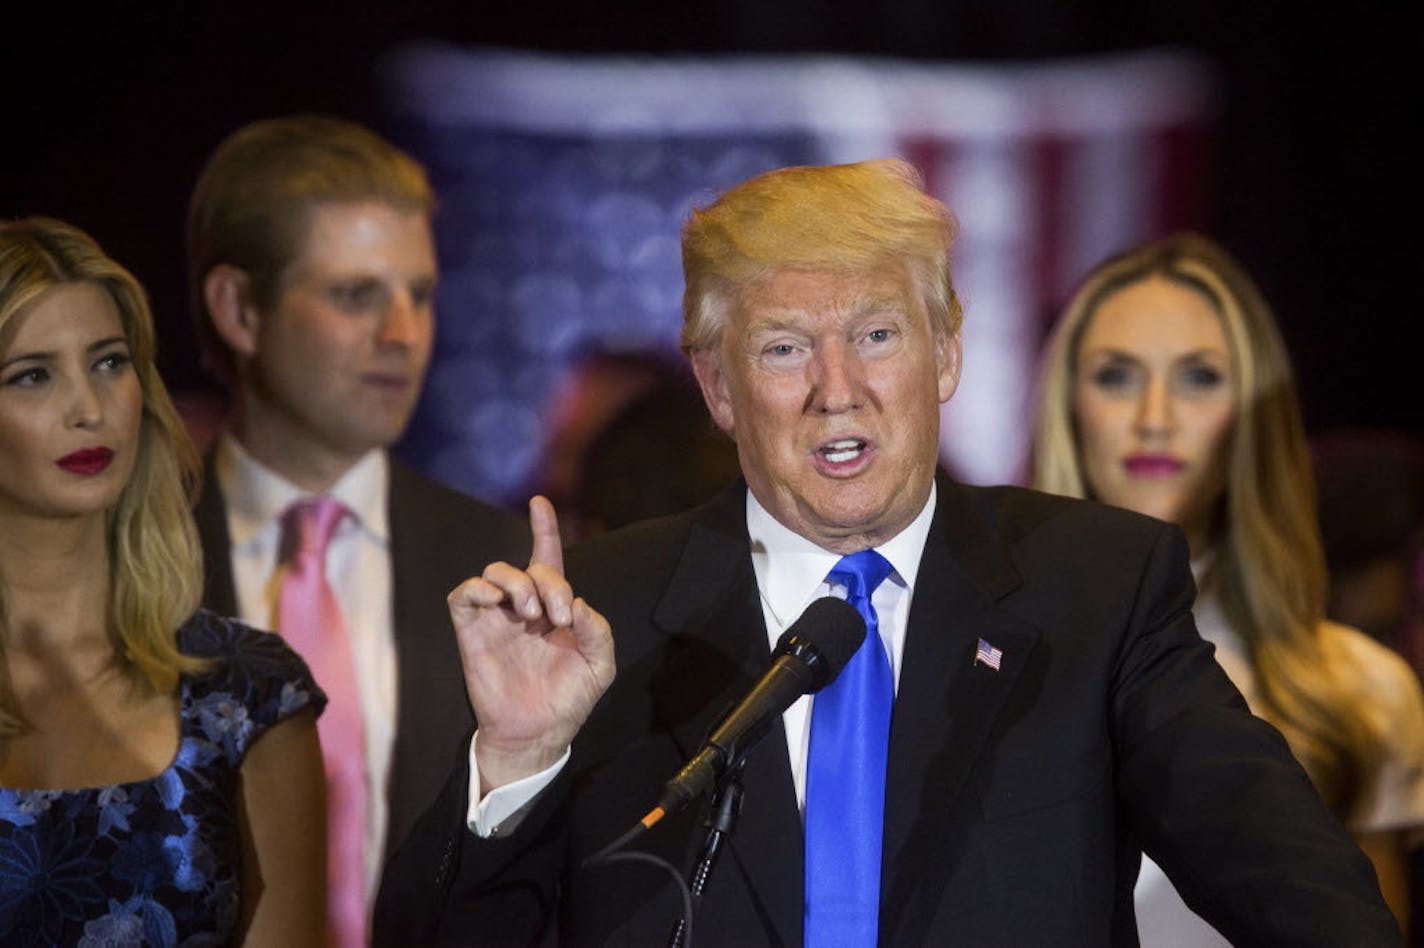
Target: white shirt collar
[(791, 570), (256, 495)]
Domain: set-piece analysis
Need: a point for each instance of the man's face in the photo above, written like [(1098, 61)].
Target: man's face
[(338, 361), (830, 383)]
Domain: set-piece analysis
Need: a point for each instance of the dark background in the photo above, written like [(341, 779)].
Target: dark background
[(109, 114)]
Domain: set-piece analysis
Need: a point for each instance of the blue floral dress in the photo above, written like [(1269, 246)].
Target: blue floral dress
[(155, 862)]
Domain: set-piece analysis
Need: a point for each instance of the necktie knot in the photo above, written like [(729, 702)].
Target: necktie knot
[(861, 574), (309, 524)]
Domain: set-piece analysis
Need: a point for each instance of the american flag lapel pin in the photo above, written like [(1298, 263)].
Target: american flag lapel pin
[(988, 655)]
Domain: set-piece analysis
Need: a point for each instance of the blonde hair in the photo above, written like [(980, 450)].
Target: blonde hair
[(253, 200), (847, 218), (1269, 568), (154, 559)]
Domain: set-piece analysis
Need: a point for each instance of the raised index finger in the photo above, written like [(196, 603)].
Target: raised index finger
[(548, 548)]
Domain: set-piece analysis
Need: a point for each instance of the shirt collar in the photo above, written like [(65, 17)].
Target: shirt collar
[(256, 495), (791, 570)]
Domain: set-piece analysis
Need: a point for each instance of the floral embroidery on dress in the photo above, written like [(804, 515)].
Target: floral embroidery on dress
[(155, 862)]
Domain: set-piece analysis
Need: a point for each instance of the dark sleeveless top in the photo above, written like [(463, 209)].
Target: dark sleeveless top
[(155, 862)]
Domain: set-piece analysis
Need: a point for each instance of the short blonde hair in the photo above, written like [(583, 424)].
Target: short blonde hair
[(849, 218), (252, 204), (1269, 565), (154, 556)]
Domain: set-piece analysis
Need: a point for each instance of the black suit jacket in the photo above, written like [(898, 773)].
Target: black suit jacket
[(1018, 800), (439, 538)]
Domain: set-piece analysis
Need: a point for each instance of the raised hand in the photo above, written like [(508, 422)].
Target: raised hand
[(536, 658)]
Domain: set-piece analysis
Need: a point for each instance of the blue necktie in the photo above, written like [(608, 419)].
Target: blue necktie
[(845, 777)]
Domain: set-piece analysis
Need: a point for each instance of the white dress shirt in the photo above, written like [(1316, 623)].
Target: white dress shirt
[(790, 574), (358, 567)]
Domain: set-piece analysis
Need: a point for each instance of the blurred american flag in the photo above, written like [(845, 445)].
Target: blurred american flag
[(564, 181)]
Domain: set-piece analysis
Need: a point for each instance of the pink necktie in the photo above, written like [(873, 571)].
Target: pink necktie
[(309, 618)]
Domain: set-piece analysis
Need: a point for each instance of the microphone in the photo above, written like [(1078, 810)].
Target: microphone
[(808, 656)]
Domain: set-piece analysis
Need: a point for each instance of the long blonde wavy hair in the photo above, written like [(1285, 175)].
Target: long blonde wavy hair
[(154, 559), (1268, 568)]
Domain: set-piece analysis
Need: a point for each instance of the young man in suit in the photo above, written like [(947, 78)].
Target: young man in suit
[(1031, 709), (313, 272)]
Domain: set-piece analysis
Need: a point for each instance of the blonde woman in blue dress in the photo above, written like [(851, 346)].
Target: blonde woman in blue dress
[(1167, 390), (160, 777)]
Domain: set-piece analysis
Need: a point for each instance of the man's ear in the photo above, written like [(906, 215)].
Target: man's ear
[(949, 356), (228, 294), (712, 379)]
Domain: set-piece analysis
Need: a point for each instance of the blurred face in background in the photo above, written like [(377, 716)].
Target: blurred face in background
[(1154, 401), (333, 369), (70, 405)]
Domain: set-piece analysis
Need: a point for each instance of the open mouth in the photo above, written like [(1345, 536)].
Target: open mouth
[(842, 451)]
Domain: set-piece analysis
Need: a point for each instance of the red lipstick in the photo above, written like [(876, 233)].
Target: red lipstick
[(1153, 465), (87, 461)]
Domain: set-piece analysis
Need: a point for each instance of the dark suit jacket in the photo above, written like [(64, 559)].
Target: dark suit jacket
[(439, 538), (1018, 800)]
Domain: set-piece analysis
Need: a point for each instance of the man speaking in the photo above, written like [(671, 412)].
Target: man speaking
[(1031, 707)]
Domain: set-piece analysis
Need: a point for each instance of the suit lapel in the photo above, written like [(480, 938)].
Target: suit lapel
[(410, 621), (946, 704), (219, 594), (433, 714), (717, 639)]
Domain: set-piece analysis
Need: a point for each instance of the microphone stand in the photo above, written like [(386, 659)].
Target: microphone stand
[(721, 823)]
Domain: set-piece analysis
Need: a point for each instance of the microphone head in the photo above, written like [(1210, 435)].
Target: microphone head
[(824, 638)]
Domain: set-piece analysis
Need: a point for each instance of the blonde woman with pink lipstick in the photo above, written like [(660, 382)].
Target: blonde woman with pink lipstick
[(160, 777), (1167, 390)]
